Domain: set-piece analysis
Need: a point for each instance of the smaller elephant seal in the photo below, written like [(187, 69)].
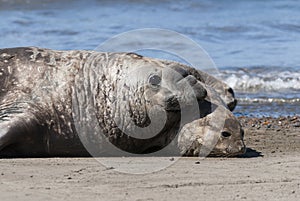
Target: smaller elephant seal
[(62, 103), (218, 133)]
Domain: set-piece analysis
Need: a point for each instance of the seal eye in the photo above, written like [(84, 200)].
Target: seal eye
[(226, 134), (155, 80)]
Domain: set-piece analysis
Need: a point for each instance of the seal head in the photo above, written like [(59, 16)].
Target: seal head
[(217, 133)]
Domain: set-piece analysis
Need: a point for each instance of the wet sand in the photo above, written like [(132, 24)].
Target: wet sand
[(270, 170)]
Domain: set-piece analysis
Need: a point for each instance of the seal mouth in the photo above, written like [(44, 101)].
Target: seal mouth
[(228, 152), (172, 104)]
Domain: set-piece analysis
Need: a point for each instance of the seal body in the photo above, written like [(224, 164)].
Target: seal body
[(61, 103), (35, 102)]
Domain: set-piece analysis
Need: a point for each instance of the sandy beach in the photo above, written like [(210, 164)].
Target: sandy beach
[(270, 170), (251, 44)]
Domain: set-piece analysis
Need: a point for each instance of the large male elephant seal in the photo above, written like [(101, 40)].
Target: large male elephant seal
[(136, 102)]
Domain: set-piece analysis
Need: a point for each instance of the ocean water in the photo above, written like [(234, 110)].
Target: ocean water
[(254, 44)]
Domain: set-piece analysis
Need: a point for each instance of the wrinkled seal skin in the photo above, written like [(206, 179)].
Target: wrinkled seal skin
[(37, 90)]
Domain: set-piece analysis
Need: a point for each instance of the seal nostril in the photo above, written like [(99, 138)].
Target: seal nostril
[(172, 103), (230, 90), (242, 133), (225, 134), (243, 149)]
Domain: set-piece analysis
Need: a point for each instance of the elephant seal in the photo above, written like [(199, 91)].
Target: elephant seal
[(39, 88), (209, 135)]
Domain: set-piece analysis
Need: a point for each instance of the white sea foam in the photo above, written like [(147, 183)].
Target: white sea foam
[(261, 79), (269, 100)]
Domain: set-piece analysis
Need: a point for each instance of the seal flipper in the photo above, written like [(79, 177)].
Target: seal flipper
[(6, 143), (20, 137), (7, 138)]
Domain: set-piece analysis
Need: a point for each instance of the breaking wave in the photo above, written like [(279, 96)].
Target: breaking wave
[(269, 100), (262, 79)]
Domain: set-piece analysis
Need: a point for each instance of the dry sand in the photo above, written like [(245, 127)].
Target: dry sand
[(270, 170)]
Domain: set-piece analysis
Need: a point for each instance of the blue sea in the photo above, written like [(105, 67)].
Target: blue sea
[(255, 45)]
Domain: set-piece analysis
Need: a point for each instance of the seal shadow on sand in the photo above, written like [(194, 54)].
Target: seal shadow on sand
[(251, 153)]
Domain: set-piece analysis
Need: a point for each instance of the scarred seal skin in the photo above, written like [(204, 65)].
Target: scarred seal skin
[(40, 87)]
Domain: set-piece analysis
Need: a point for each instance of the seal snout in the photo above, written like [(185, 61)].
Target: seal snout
[(237, 147), (240, 148), (242, 144), (172, 104), (243, 148)]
